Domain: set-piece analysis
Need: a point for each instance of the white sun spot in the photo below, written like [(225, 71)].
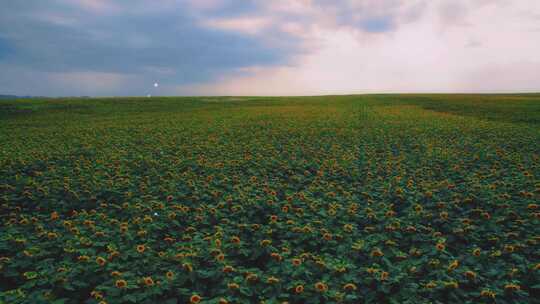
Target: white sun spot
[(156, 85)]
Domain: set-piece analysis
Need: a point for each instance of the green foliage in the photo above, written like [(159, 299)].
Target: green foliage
[(334, 199)]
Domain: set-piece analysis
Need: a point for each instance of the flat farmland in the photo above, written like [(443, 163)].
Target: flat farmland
[(330, 199)]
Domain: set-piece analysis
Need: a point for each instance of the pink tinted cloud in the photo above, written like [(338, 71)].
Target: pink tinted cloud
[(450, 46), (246, 25)]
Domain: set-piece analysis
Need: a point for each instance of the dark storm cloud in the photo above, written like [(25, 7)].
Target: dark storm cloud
[(125, 39)]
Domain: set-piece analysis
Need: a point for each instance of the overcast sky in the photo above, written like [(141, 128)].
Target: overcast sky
[(267, 47)]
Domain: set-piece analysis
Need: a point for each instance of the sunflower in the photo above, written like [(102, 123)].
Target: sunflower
[(476, 252), (470, 274), (235, 240), (223, 301), (148, 281), (410, 229), (377, 253), (273, 218), (121, 283), (321, 287), (265, 243), (349, 287), (320, 263), (228, 269), (96, 295), (54, 216), (384, 276), (512, 287), (252, 277), (194, 299), (116, 273), (233, 286), (141, 248), (296, 262), (188, 267), (276, 256), (453, 265), (443, 215), (172, 215), (509, 248), (488, 294), (113, 255), (371, 270), (440, 246), (272, 280), (169, 274), (299, 289), (390, 213), (100, 261)]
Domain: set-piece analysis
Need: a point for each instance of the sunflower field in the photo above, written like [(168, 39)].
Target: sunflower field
[(331, 199)]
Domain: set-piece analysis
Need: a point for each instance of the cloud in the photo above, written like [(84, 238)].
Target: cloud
[(515, 76), (247, 25), (94, 5), (88, 82), (249, 47), (106, 42), (206, 4), (16, 80), (433, 52)]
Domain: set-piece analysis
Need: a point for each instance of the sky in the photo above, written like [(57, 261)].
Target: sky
[(267, 47)]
